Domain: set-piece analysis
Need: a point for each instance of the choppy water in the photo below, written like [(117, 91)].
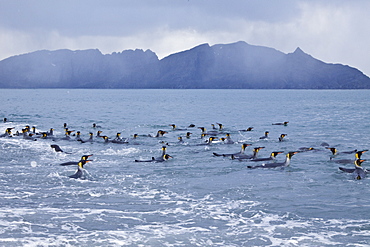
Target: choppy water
[(194, 199)]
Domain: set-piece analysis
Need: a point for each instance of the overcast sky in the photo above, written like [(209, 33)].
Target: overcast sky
[(334, 31)]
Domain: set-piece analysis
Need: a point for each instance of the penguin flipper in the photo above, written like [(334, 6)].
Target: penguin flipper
[(152, 160), (56, 148), (348, 170), (70, 163)]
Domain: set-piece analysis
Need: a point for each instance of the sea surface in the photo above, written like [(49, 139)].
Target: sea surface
[(194, 198)]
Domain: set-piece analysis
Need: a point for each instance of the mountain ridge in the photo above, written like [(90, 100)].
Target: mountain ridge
[(236, 65)]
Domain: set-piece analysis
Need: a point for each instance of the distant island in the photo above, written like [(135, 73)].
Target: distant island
[(223, 66)]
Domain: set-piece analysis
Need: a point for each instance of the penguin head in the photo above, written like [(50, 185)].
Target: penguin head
[(290, 154), (333, 150), (358, 162), (9, 130), (274, 154), (244, 145), (359, 153), (258, 149), (85, 157), (202, 129), (81, 163), (167, 156)]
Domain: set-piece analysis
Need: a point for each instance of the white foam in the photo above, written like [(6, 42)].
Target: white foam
[(33, 163)]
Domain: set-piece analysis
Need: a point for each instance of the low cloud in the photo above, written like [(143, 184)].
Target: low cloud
[(332, 31)]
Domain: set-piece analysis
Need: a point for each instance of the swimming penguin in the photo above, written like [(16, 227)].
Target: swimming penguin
[(34, 131), (71, 163), (281, 138), (276, 164), (58, 149), (96, 126), (105, 138), (27, 128), (220, 126), (44, 136), (188, 134), (174, 127), (160, 133), (5, 120), (50, 132), (244, 145), (164, 157), (98, 133), (207, 132), (78, 137), (272, 157), (265, 136), (358, 155), (67, 135), (284, 123), (80, 173), (248, 129), (306, 149), (180, 140), (208, 142), (228, 139), (8, 133), (358, 172), (119, 140), (28, 136), (164, 149), (91, 138), (191, 126), (247, 156), (335, 152)]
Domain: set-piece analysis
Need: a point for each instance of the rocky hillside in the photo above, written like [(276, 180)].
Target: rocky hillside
[(236, 65)]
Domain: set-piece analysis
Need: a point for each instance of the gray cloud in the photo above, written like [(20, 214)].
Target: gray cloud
[(334, 30)]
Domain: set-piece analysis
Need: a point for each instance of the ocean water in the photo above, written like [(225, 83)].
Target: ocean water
[(195, 198)]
